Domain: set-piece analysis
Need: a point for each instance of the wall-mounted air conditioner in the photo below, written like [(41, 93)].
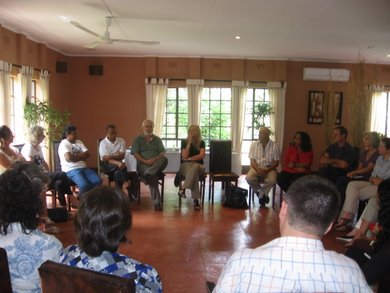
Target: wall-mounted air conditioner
[(325, 74)]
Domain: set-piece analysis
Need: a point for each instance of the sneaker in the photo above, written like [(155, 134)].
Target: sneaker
[(158, 207), (196, 205)]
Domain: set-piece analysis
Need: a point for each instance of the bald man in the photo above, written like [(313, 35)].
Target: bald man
[(264, 155)]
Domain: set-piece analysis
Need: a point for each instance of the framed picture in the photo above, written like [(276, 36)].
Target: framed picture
[(316, 107), (338, 96)]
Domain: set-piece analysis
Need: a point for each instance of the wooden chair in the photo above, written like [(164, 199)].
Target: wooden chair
[(5, 278), (56, 166), (52, 192), (161, 182), (56, 277), (221, 165), (252, 196), (104, 175), (202, 185)]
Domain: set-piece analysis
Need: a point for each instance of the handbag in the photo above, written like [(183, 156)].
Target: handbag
[(58, 215), (235, 197)]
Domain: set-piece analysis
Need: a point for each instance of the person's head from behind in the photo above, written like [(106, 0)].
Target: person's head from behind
[(302, 140), (20, 189), (384, 212), (70, 133), (310, 207), (6, 136), (340, 134), (147, 127), (36, 135), (111, 132), (102, 220)]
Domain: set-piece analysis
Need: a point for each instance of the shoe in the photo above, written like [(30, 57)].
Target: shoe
[(158, 207), (263, 200), (182, 193), (196, 205)]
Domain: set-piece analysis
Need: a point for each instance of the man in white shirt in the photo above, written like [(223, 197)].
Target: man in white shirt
[(73, 155), (264, 155), (297, 261), (112, 153)]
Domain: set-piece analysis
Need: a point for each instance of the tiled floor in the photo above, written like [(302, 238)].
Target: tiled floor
[(188, 247)]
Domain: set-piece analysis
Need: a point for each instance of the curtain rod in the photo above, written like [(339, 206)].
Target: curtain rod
[(216, 80), (20, 66)]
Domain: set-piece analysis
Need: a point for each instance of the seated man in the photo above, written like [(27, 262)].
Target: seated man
[(112, 152), (297, 261), (337, 159), (149, 151), (73, 154), (264, 157)]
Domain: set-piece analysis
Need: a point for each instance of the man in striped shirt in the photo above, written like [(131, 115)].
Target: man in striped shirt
[(264, 155), (297, 261)]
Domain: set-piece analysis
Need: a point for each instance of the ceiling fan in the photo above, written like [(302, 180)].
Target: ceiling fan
[(105, 37)]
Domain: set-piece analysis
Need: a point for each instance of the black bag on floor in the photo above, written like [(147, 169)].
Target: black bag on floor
[(58, 215), (235, 197)]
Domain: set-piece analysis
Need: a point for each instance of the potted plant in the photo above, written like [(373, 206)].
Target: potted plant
[(42, 113), (260, 112)]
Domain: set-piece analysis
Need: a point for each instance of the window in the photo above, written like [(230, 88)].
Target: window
[(175, 118), (381, 114), (215, 119), (254, 97)]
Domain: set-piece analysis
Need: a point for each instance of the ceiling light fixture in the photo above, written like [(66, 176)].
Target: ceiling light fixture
[(237, 37), (388, 55)]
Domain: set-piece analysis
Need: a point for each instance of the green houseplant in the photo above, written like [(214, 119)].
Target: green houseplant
[(260, 112), (42, 113)]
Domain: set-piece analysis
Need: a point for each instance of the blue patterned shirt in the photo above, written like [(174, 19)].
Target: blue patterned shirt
[(145, 277), (26, 252), (291, 264)]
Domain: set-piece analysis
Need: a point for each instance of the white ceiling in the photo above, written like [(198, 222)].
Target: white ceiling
[(323, 30)]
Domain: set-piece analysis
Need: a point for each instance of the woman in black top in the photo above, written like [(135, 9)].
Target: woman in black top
[(192, 154)]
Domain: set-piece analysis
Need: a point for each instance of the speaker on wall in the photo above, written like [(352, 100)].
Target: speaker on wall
[(61, 67), (95, 69), (220, 156)]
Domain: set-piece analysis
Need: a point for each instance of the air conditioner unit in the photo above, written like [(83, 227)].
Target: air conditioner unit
[(325, 74)]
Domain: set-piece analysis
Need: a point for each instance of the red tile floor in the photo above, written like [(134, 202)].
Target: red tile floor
[(188, 247)]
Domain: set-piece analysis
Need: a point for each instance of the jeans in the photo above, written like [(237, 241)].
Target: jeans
[(84, 178)]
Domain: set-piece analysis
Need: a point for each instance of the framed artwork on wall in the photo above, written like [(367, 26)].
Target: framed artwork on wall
[(338, 96), (316, 107)]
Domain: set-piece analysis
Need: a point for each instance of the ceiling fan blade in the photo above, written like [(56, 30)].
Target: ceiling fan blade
[(92, 45), (79, 26), (136, 42)]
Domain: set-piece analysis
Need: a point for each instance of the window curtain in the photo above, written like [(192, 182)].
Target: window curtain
[(378, 109), (5, 72), (25, 77), (156, 95), (277, 93), (44, 78), (239, 89), (194, 92), (44, 82)]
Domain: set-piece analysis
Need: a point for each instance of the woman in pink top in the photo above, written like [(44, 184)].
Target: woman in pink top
[(297, 160)]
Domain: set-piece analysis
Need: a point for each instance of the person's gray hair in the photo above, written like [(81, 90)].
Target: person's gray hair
[(147, 121), (33, 134)]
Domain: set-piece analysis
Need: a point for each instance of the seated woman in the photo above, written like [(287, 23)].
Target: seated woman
[(20, 206), (376, 266), (32, 151), (297, 160), (192, 154), (366, 163), (101, 223), (8, 154), (362, 190)]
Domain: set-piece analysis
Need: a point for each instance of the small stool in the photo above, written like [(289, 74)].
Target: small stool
[(225, 178)]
